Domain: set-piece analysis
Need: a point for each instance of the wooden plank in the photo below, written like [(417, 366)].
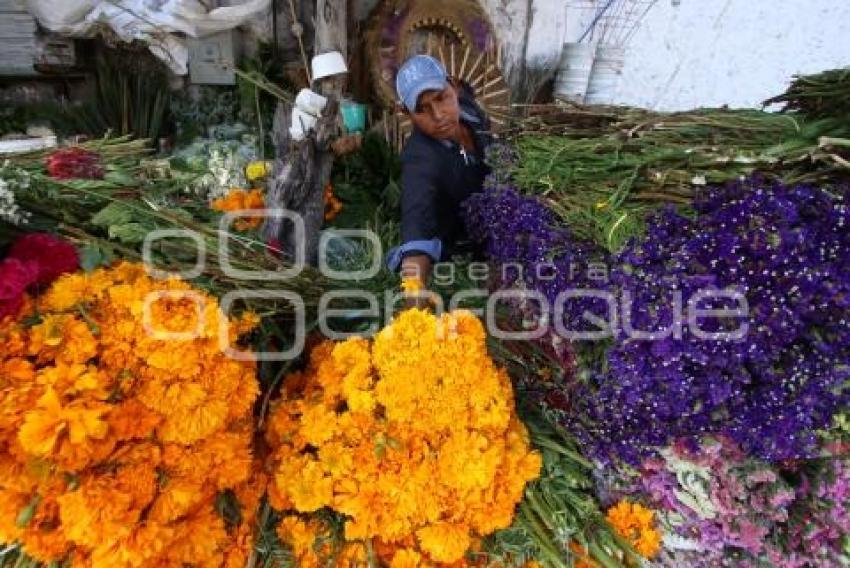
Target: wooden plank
[(475, 66), (463, 63)]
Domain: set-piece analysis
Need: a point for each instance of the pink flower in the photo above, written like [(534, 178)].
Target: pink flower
[(762, 476), (751, 535), (15, 276)]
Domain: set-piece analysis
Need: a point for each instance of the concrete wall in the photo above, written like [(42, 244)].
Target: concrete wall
[(692, 53), (735, 52), (687, 53)]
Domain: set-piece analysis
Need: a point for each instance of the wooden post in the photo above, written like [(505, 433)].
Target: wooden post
[(304, 168), (331, 26), (331, 35)]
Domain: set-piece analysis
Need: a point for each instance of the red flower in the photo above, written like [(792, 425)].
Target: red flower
[(15, 276), (68, 163), (10, 307), (52, 255)]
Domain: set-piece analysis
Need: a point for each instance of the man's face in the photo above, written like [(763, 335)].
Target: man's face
[(437, 113)]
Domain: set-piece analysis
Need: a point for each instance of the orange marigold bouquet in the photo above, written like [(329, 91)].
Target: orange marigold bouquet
[(238, 199), (124, 428), (413, 438)]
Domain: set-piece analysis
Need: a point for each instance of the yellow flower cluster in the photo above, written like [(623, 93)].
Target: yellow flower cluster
[(414, 438), (635, 523), (239, 199), (412, 284), (257, 170), (116, 442)]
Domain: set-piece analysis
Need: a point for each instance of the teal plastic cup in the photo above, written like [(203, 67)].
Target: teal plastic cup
[(353, 116)]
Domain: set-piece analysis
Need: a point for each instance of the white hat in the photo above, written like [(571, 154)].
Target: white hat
[(328, 64)]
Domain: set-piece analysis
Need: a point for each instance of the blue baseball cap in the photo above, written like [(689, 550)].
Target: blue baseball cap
[(418, 74)]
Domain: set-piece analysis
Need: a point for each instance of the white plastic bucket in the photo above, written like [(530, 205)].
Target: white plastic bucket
[(574, 71), (605, 75)]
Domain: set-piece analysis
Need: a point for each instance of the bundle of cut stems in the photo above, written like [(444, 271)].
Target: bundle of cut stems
[(825, 94), (604, 169), (116, 151)]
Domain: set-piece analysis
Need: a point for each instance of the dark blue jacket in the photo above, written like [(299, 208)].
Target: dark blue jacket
[(437, 176)]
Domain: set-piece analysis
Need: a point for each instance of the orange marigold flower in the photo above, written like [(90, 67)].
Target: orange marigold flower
[(114, 442), (302, 536), (17, 371), (131, 419), (239, 199), (444, 542), (41, 537), (43, 426), (634, 522), (403, 434), (406, 558)]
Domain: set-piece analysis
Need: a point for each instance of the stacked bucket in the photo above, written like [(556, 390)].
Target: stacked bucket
[(589, 74)]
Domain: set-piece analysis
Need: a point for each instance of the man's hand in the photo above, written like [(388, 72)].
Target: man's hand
[(416, 269), (416, 266)]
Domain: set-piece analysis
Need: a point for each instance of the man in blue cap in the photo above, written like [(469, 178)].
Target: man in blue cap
[(442, 165)]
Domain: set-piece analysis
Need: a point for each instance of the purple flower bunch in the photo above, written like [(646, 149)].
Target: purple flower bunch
[(786, 251), (530, 248)]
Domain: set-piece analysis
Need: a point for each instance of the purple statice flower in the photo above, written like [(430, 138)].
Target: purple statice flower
[(530, 248), (518, 235), (786, 250)]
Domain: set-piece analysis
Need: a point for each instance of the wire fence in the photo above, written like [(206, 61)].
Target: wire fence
[(610, 22)]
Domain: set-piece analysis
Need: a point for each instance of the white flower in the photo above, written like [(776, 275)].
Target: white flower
[(12, 179), (694, 485), (677, 542), (225, 171)]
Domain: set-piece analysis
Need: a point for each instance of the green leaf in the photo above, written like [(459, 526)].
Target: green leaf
[(91, 257), (129, 233), (73, 481), (181, 213), (32, 320), (115, 213), (26, 514), (227, 507), (89, 184), (120, 178)]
